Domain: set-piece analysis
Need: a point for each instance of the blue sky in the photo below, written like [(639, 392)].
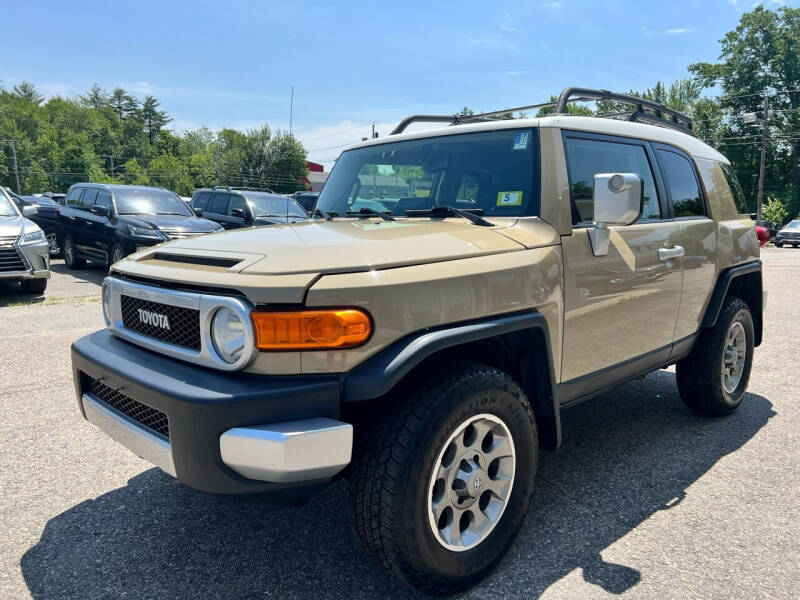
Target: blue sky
[(351, 64)]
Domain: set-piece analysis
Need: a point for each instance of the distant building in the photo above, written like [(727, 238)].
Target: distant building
[(316, 176)]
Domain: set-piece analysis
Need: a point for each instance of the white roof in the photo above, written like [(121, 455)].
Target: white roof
[(643, 131)]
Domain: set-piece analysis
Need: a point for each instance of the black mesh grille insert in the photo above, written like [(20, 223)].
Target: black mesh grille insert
[(172, 324), (10, 260), (153, 419)]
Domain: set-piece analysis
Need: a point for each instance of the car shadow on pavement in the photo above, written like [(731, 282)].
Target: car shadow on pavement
[(11, 294), (91, 273), (626, 455)]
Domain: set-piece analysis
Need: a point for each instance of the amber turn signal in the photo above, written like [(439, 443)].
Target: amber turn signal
[(311, 329)]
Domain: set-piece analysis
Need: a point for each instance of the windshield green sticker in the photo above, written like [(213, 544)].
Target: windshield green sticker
[(509, 199)]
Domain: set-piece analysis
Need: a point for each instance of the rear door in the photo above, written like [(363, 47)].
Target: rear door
[(698, 234), (237, 213), (622, 306), (84, 243)]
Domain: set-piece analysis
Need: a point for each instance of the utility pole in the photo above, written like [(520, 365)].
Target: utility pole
[(291, 110), (16, 170), (764, 138)]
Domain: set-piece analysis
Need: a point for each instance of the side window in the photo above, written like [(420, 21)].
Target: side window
[(236, 202), (736, 189), (88, 200), (219, 204), (679, 175), (73, 197), (468, 190), (201, 200), (586, 158), (104, 199)]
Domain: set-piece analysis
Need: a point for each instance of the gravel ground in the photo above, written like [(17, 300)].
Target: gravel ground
[(643, 500)]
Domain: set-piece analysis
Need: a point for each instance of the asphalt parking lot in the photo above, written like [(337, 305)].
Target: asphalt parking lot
[(643, 500)]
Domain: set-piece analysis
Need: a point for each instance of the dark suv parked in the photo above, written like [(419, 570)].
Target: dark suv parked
[(46, 216), (106, 222), (306, 199), (233, 207)]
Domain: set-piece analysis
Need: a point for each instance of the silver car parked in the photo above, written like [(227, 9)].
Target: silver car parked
[(24, 252)]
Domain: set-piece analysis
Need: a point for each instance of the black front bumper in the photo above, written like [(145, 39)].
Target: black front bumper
[(201, 404)]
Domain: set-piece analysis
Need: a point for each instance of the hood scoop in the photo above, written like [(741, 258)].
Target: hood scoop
[(205, 261)]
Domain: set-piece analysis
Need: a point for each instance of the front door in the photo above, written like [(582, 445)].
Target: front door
[(624, 305)]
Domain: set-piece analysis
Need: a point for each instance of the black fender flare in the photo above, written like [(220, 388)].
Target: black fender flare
[(380, 373), (721, 288)]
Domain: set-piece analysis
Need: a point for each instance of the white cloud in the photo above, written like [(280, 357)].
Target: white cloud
[(677, 31), (671, 31), (514, 73), (734, 4), (552, 5)]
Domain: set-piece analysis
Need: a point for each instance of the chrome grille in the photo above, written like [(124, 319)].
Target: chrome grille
[(183, 323), (178, 234), (148, 417)]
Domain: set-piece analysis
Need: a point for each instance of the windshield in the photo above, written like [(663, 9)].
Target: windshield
[(269, 205), (794, 225), (144, 201), (494, 171), (6, 208)]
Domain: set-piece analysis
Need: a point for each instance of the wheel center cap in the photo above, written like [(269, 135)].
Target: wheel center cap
[(476, 483)]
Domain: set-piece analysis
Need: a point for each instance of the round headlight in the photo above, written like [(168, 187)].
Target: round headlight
[(227, 334)]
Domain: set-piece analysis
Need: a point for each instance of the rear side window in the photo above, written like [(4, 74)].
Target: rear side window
[(681, 180), (88, 200), (73, 197), (736, 190), (219, 204), (586, 158), (201, 200)]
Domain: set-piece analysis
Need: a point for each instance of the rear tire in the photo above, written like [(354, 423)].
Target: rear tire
[(69, 254), (437, 448), (712, 380), (33, 286), (779, 244)]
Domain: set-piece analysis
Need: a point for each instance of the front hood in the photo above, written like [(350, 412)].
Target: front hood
[(11, 226), (170, 222), (350, 245)]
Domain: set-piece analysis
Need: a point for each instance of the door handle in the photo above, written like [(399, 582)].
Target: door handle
[(670, 253)]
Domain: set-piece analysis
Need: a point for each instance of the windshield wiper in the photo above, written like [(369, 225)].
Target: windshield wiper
[(318, 212), (442, 210), (369, 212)]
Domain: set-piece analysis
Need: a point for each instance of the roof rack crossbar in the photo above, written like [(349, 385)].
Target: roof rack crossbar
[(662, 115), (659, 113)]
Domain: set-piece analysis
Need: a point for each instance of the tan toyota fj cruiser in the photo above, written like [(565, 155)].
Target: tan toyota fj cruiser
[(458, 289)]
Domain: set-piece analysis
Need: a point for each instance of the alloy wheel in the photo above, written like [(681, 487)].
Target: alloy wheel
[(471, 482)]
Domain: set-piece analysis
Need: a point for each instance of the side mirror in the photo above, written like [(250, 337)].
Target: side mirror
[(29, 211), (617, 200), (238, 213), (198, 211), (98, 209)]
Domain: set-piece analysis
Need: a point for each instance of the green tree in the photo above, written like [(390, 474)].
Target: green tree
[(152, 118), (27, 91), (134, 173), (762, 55), (774, 211), (96, 97), (169, 172)]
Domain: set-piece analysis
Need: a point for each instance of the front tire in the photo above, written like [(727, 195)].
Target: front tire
[(34, 286), (779, 244), (441, 482), (69, 254), (712, 380), (116, 255)]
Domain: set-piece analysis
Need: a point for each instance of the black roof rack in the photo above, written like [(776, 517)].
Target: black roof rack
[(242, 189), (645, 111)]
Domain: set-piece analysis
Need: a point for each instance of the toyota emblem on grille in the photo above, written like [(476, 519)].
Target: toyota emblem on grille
[(153, 318)]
